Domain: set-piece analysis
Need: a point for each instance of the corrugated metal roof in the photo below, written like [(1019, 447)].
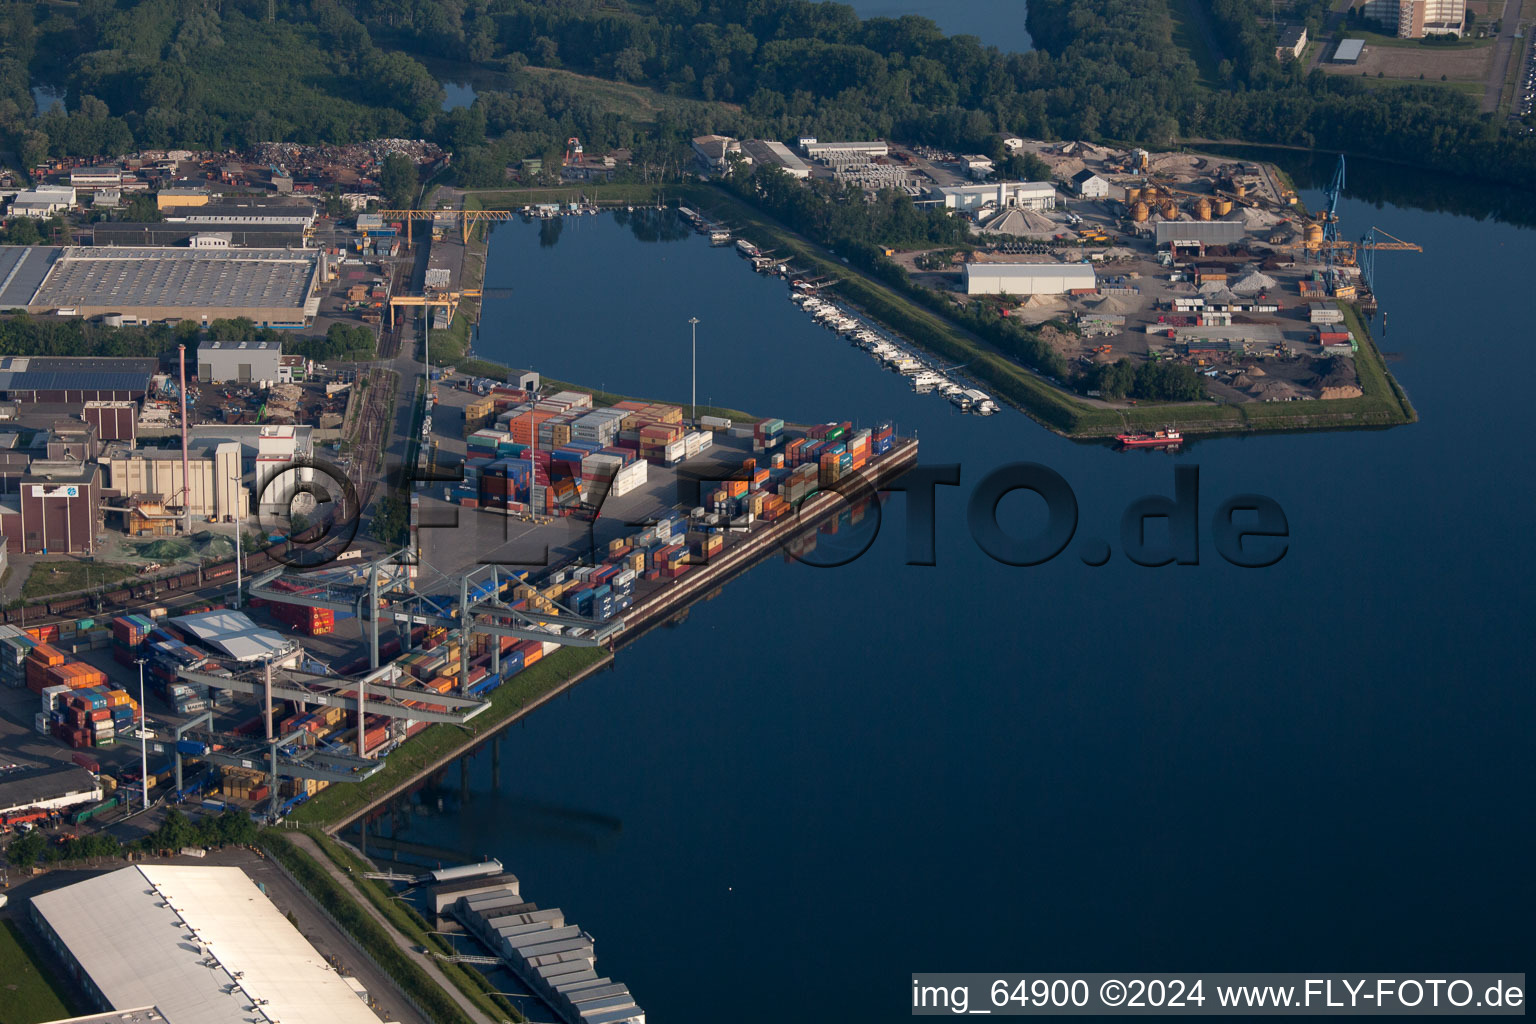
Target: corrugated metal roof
[(22, 269), (235, 634), (1349, 50), (1214, 232), (25, 789), (202, 943)]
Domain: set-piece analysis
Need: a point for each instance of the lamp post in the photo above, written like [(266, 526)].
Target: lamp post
[(143, 748), (694, 410)]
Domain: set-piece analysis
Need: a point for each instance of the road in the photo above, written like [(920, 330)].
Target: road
[(1503, 49)]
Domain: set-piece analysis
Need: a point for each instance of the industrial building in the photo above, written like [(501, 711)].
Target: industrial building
[(714, 151), (22, 269), (1027, 278), (204, 945), (775, 154), (844, 150), (271, 212), (272, 287), (156, 475), (1089, 185), (43, 201), (242, 361), (1348, 51), (51, 508), (245, 236), (1028, 195), (1206, 232), (172, 198), (96, 177), (47, 789), (114, 421), (73, 380)]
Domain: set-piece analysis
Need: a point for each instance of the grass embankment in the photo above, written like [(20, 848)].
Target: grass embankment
[(341, 801), (50, 578), (413, 926), (367, 932), (27, 992)]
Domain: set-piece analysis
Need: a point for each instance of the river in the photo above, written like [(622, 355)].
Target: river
[(829, 778)]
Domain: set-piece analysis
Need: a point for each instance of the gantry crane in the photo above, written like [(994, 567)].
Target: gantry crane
[(464, 217), (449, 300)]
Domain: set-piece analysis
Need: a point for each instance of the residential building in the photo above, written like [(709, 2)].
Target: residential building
[(1293, 40), (1415, 19)]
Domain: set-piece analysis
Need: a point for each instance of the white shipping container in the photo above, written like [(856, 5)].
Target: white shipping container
[(40, 723), (675, 451), (691, 445), (714, 423)]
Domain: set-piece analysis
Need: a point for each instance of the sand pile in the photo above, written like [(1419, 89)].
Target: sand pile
[(1116, 304), (1254, 283)]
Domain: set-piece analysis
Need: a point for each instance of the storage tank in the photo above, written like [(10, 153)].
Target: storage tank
[(1239, 188), (1223, 207), (1140, 212), (1169, 209), (1203, 210), (1132, 196), (112, 319), (1314, 235)]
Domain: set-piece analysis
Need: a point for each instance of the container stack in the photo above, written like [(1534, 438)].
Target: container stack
[(129, 635), (90, 717), (309, 621), (15, 646), (767, 434)]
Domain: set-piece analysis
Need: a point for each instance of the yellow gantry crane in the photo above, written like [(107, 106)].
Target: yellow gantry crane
[(449, 300), (464, 217)]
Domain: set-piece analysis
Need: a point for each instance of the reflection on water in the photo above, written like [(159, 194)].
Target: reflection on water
[(649, 224), (457, 94), (48, 97)]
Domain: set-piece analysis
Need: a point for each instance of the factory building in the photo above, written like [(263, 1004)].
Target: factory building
[(714, 151), (1027, 278), (204, 945), (72, 441), (775, 154), (272, 287), (1089, 185), (22, 269), (844, 150), (172, 198), (43, 201), (271, 212), (155, 476), (75, 380), (96, 177), (1028, 195), (1205, 232), (51, 508), (243, 236), (238, 361), (47, 789)]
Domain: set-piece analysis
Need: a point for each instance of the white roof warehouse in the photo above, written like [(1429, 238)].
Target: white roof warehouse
[(203, 944), (1026, 278)]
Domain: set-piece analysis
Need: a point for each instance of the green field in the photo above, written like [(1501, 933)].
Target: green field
[(340, 801), (27, 995), (68, 576)]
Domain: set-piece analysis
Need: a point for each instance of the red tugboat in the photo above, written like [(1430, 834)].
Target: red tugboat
[(1165, 438)]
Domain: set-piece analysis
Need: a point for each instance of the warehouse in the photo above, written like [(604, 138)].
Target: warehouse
[(775, 154), (1205, 232), (96, 177), (242, 361), (47, 789), (215, 471), (114, 421), (74, 380), (272, 287), (845, 150), (271, 212), (52, 508), (22, 269), (244, 236), (1028, 195), (43, 201), (202, 944), (1348, 51), (1026, 278)]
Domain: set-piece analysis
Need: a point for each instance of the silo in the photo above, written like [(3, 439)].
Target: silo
[(1223, 207), (1140, 212), (1169, 209), (1203, 209)]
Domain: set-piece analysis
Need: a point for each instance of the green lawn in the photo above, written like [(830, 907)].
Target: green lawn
[(68, 575), (27, 995), (341, 800), (1353, 31)]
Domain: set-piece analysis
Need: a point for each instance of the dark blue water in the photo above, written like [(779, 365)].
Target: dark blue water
[(457, 94), (998, 23), (828, 779)]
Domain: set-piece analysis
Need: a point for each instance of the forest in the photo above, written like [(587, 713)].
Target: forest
[(158, 73)]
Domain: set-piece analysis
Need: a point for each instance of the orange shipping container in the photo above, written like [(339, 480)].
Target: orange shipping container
[(46, 654)]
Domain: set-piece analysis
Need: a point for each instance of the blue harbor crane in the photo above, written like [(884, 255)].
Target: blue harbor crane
[(1331, 218)]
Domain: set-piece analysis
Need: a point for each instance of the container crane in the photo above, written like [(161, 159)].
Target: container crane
[(573, 151), (1331, 217)]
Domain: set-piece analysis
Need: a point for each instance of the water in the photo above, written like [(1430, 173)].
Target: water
[(827, 779), (999, 23), (48, 97), (457, 94)]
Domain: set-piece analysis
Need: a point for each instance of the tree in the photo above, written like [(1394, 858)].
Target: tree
[(26, 848), (143, 208), (397, 180)]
